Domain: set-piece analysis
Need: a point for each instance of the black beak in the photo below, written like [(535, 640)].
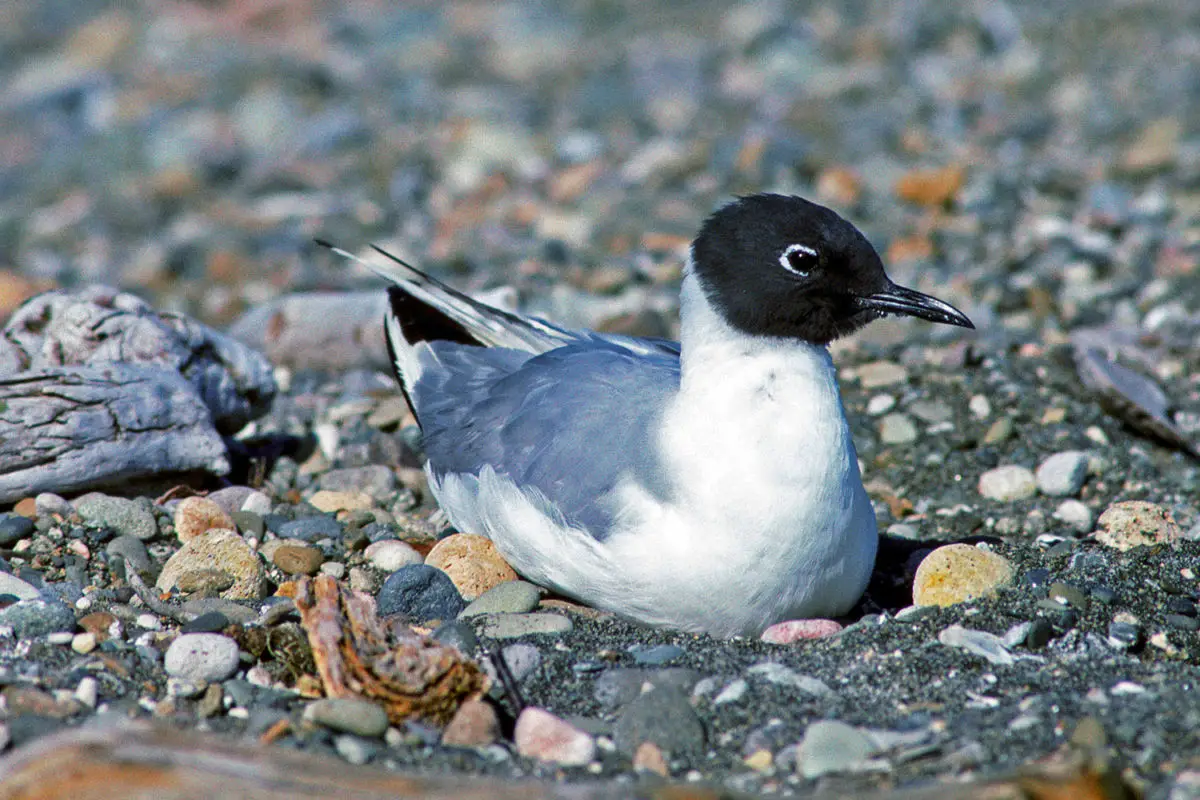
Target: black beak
[(899, 300)]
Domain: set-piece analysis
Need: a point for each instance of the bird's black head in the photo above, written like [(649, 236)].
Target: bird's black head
[(775, 265)]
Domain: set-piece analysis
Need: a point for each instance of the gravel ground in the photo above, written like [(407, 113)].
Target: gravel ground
[(1036, 165)]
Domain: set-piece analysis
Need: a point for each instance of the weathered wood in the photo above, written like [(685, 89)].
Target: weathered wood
[(74, 428), (144, 763)]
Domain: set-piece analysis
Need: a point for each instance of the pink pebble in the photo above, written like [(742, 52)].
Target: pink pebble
[(795, 629), (541, 735)]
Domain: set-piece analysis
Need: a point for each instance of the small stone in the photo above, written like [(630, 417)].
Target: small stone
[(830, 746), (732, 693), (999, 431), (1134, 523), (294, 558), (132, 550), (542, 736), (222, 551), (125, 517), (514, 597), (1063, 474), (201, 657), (88, 691), (880, 404), (986, 645), (1068, 595), (897, 428), (1008, 483), (759, 760), (390, 555), (374, 479), (348, 715), (663, 716), (1124, 635), (472, 563), (1075, 515), (256, 503), (83, 643), (420, 592), (102, 625), (511, 626), (657, 655), (48, 504), (211, 622), (979, 406), (11, 584), (780, 675), (355, 749), (1182, 623), (475, 724), (1039, 635), (794, 630), (955, 573), (312, 529), (37, 617), (204, 581), (332, 501), (931, 412), (522, 659), (881, 373), (249, 522), (14, 528), (198, 515), (230, 498)]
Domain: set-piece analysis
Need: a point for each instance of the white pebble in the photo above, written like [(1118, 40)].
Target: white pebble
[(1075, 514), (880, 404), (88, 691), (390, 555), (980, 406), (1063, 474), (202, 657), (1007, 483)]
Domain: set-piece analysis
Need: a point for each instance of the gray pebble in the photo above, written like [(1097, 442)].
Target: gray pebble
[(311, 529), (22, 590), (48, 503), (831, 746), (511, 626), (897, 428), (931, 411), (663, 716), (32, 618), (987, 646), (348, 715), (132, 550), (657, 655), (230, 498), (355, 749), (780, 675), (617, 687), (1123, 635), (460, 635), (125, 517), (1008, 483), (732, 693), (522, 659), (420, 592), (1063, 474), (374, 479), (14, 528), (515, 597), (249, 522), (202, 657)]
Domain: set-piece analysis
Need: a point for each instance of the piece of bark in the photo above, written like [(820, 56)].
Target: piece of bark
[(360, 655), (138, 762), (99, 325), (68, 429), (319, 330)]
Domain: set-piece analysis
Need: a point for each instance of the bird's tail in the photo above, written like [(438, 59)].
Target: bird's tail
[(423, 309)]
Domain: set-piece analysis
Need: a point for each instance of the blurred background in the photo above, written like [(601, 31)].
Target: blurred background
[(1038, 163)]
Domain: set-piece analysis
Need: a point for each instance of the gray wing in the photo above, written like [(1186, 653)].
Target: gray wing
[(570, 422)]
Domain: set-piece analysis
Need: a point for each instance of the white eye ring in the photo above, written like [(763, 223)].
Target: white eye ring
[(785, 260)]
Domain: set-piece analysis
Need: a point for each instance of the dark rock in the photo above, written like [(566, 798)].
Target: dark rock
[(311, 529), (14, 528), (420, 592), (663, 716)]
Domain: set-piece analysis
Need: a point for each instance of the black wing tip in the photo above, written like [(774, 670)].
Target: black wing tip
[(328, 245), (421, 322)]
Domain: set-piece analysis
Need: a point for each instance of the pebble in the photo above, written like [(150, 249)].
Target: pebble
[(390, 555), (794, 630), (202, 657), (544, 737), (1063, 474), (375, 479), (195, 516), (880, 404), (294, 558), (1008, 483), (218, 551), (48, 504), (1134, 523), (663, 716), (1182, 622), (999, 431), (14, 528), (354, 749), (618, 687), (955, 573), (420, 592), (348, 715), (249, 522), (1075, 515), (979, 406), (125, 517), (780, 675), (511, 626), (472, 562), (878, 374), (312, 529), (522, 660), (256, 503), (334, 501), (230, 498), (84, 643), (515, 597), (897, 428), (830, 746), (656, 655), (475, 724), (732, 693), (988, 646), (132, 550), (210, 622), (32, 618), (931, 412), (11, 584)]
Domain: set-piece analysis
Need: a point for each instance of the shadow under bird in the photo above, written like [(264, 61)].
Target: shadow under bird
[(709, 485)]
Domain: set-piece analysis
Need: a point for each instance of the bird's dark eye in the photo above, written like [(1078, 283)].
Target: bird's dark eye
[(799, 259)]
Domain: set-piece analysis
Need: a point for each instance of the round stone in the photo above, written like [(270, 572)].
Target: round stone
[(511, 596), (202, 657), (295, 558), (897, 428), (126, 517), (348, 715), (14, 528), (795, 630), (390, 555), (1134, 523), (472, 563), (312, 529), (37, 617), (959, 572), (420, 592), (512, 626), (1063, 474), (218, 551), (475, 724), (198, 515), (1008, 483), (542, 736), (22, 590), (829, 746), (1075, 515), (333, 501)]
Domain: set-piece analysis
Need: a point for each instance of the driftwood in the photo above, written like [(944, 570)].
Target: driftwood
[(97, 388), (143, 763), (314, 330)]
